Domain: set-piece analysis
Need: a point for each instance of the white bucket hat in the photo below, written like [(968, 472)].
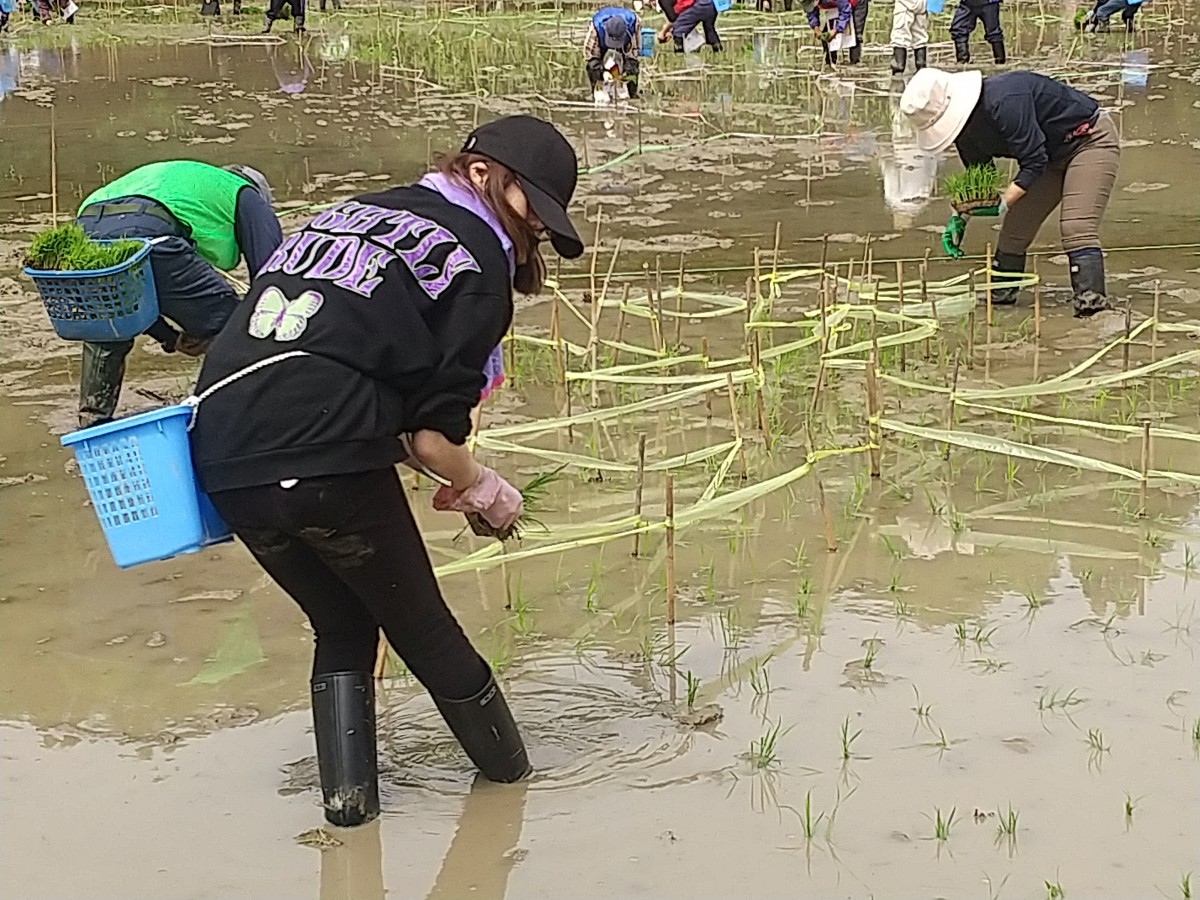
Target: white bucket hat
[(939, 104)]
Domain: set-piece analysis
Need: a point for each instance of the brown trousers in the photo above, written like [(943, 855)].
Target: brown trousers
[(1082, 183)]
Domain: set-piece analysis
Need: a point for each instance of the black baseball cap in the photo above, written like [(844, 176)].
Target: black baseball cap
[(545, 165)]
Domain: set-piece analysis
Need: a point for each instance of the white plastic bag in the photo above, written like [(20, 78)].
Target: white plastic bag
[(693, 41)]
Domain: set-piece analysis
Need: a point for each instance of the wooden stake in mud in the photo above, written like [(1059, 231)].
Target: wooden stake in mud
[(621, 324), (707, 394), (824, 260), (987, 276), (638, 488), (658, 305), (679, 306), (512, 351), (971, 321), (900, 297), (1143, 512), (1154, 326), (826, 519), (873, 433), (775, 258), (560, 364), (655, 331), (757, 276), (950, 406), (670, 488), (53, 170), (737, 424), (925, 296), (1125, 347), (760, 403), (381, 657), (1037, 303)]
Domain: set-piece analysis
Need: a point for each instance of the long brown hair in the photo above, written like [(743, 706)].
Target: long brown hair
[(530, 273)]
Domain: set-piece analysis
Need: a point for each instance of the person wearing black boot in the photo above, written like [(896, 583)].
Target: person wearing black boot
[(832, 23), (275, 11), (1067, 150), (910, 31), (966, 15), (858, 15), (337, 5), (362, 344)]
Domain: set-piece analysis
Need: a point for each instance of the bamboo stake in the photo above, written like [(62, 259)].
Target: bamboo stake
[(758, 392), (1143, 512), (950, 405), (873, 434), (670, 549), (737, 424), (53, 170), (621, 324), (824, 262), (560, 365), (637, 495), (708, 410), (987, 275), (826, 519), (679, 306), (925, 298), (1154, 327), (757, 276), (1125, 348), (381, 657), (900, 295), (1037, 303), (775, 258), (658, 299), (655, 329), (512, 351)]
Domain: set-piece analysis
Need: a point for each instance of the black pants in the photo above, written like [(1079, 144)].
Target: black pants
[(346, 548), (859, 17), (191, 293), (630, 67), (275, 10), (971, 11)]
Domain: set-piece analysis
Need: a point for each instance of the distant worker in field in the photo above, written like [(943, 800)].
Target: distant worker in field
[(1068, 152), (683, 16), (1097, 19), (613, 34), (838, 25), (275, 11), (966, 15), (910, 32), (202, 218)]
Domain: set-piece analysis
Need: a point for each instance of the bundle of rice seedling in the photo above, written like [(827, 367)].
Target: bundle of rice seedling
[(68, 249), (976, 188), (532, 494)]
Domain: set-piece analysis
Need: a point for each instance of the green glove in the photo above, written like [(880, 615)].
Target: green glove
[(952, 236), (992, 211)]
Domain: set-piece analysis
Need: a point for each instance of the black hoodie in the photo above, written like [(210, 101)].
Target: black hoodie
[(397, 299)]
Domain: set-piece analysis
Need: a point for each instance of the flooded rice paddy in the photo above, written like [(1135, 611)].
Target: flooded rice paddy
[(989, 688)]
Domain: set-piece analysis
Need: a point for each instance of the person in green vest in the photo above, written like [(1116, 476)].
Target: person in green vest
[(202, 219)]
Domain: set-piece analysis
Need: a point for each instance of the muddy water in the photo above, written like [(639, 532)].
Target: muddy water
[(154, 722)]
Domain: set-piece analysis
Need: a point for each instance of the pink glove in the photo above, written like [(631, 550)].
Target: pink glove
[(493, 498)]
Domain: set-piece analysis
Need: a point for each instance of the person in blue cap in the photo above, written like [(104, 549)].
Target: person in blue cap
[(617, 30)]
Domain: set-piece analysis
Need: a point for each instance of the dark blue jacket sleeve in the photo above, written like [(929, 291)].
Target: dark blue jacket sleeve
[(256, 228), (844, 14), (1015, 117)]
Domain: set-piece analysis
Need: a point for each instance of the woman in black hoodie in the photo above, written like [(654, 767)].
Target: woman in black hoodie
[(361, 344)]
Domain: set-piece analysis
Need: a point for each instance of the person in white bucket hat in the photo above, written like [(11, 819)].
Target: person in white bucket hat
[(1067, 150)]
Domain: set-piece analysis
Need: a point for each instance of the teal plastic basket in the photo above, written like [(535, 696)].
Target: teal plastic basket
[(113, 304), (139, 475)]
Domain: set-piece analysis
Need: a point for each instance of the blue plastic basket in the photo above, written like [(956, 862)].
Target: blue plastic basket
[(649, 38), (139, 474), (723, 6), (935, 7), (112, 304)]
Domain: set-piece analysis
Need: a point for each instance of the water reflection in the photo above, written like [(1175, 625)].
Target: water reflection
[(909, 173)]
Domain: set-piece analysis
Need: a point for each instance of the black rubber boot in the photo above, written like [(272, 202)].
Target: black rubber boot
[(962, 51), (489, 736), (343, 705), (321, 6), (237, 7), (267, 23), (998, 54), (717, 47), (3, 21), (920, 58), (856, 54), (298, 24), (211, 8), (1087, 282), (899, 60), (1006, 262), (678, 45)]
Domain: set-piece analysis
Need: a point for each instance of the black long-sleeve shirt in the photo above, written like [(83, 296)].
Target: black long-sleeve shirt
[(255, 228), (1027, 117), (397, 299)]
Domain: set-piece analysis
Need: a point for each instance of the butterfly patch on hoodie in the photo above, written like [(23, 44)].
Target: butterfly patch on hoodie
[(275, 314)]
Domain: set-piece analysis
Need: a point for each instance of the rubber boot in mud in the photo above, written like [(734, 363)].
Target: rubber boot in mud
[(237, 7), (321, 6), (678, 43), (920, 58), (1087, 282), (3, 21), (343, 705), (211, 8), (1002, 263), (298, 25), (962, 51), (899, 60), (856, 54), (488, 734), (999, 57), (717, 47), (267, 23)]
